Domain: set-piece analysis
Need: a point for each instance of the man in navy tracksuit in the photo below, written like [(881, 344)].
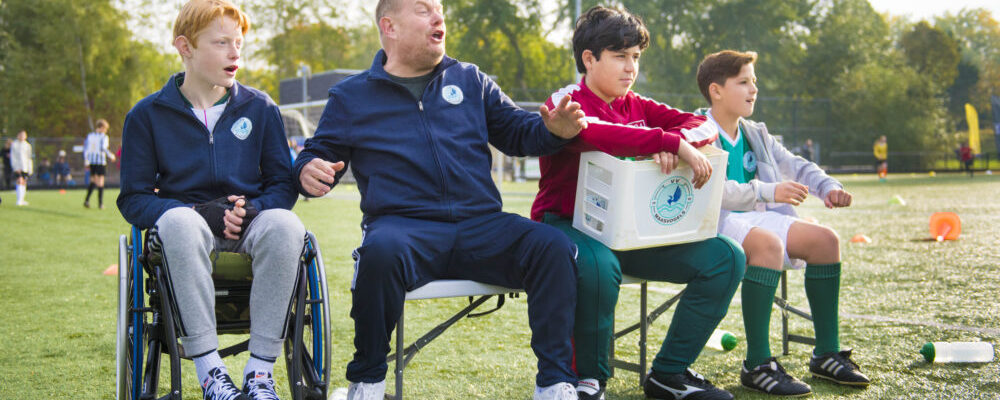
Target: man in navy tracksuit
[(415, 128), (217, 154)]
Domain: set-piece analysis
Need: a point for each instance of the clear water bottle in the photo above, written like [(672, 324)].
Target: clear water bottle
[(943, 352), (722, 340)]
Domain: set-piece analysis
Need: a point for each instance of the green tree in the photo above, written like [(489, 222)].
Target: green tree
[(932, 53), (978, 33), (505, 38), (45, 66), (849, 33)]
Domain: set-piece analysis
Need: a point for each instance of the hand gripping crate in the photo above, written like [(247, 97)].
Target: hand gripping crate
[(631, 205)]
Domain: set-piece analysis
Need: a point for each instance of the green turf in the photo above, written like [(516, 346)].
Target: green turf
[(57, 312)]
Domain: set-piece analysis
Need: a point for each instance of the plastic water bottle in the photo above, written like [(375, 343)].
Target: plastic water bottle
[(943, 352), (722, 340)]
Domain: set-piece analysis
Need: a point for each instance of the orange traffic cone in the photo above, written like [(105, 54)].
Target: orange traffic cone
[(112, 270), (859, 238), (945, 226)]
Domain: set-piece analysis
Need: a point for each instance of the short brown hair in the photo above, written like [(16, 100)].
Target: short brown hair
[(718, 67), (197, 14), (102, 123), (384, 7)]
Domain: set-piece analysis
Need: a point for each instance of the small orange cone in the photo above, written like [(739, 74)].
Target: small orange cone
[(112, 270), (945, 226), (62, 191), (859, 238)]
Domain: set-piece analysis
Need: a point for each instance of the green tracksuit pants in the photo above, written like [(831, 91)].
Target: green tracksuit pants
[(712, 270)]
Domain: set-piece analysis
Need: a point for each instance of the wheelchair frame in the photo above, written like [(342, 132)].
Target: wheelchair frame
[(150, 331)]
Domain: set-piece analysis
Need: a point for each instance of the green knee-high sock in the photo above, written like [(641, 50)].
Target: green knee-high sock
[(823, 290), (759, 284)]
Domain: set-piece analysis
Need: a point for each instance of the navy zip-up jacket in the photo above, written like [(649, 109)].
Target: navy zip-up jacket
[(424, 158), (165, 147)]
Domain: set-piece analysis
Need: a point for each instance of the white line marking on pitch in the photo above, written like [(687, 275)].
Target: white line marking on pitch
[(876, 318)]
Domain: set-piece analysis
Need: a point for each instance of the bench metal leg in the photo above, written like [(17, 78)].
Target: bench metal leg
[(646, 318), (404, 354), (787, 308)]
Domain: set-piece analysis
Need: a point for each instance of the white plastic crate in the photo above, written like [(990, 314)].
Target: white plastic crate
[(632, 205)]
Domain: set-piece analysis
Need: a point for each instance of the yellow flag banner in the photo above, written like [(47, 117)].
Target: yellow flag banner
[(973, 119)]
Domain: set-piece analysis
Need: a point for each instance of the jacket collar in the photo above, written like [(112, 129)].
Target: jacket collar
[(377, 70), (171, 96)]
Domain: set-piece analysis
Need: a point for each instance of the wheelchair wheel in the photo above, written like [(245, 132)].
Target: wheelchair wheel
[(130, 330), (307, 347)]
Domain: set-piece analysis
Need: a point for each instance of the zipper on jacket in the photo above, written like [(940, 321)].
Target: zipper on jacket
[(437, 160)]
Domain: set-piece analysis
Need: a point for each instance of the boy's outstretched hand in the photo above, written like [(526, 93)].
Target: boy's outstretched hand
[(565, 120), (837, 198)]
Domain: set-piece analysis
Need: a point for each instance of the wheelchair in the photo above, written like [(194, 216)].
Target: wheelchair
[(148, 330)]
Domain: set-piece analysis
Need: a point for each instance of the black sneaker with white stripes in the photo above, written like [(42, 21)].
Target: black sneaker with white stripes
[(259, 386), (219, 386), (688, 385), (838, 367), (771, 378)]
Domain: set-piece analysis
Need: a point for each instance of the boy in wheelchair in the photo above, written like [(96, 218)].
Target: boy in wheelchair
[(205, 163)]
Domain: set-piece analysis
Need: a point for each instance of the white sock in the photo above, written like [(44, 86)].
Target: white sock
[(257, 365), (206, 363), (20, 190)]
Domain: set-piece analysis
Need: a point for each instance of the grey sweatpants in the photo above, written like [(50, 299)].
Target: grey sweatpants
[(274, 239)]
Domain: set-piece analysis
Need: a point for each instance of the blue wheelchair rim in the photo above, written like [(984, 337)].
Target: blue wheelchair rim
[(137, 304), (314, 288)]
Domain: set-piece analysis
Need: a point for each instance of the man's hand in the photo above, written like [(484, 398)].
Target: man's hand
[(699, 163), (667, 161), (565, 120), (837, 198), (318, 175), (790, 192)]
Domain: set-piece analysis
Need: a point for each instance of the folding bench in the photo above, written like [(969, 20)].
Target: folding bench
[(465, 288)]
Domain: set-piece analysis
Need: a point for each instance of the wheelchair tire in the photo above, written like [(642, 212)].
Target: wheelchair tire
[(307, 347), (129, 337)]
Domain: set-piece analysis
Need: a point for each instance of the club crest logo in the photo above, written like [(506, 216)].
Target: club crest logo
[(452, 94), (750, 161), (241, 128), (671, 200)]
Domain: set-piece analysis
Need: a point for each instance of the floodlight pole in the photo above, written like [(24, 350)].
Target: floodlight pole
[(305, 73)]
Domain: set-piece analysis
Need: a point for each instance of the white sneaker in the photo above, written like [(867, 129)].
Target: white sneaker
[(366, 391), (22, 203), (559, 391)]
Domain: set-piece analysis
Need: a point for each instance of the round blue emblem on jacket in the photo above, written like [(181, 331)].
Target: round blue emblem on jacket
[(241, 128), (452, 94), (750, 162), (671, 200)]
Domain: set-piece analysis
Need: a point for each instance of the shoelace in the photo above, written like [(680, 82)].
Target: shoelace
[(844, 357), (566, 391), (697, 378), (261, 389), (221, 388)]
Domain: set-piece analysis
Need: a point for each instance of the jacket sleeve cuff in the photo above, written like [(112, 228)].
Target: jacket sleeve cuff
[(670, 142), (767, 191)]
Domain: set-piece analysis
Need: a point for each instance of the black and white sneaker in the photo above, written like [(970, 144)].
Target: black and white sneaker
[(590, 389), (218, 386), (259, 386), (688, 385), (771, 378), (838, 367)]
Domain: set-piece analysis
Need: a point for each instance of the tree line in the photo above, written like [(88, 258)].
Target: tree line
[(834, 70)]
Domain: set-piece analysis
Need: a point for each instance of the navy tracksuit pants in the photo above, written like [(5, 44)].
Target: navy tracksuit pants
[(399, 254)]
